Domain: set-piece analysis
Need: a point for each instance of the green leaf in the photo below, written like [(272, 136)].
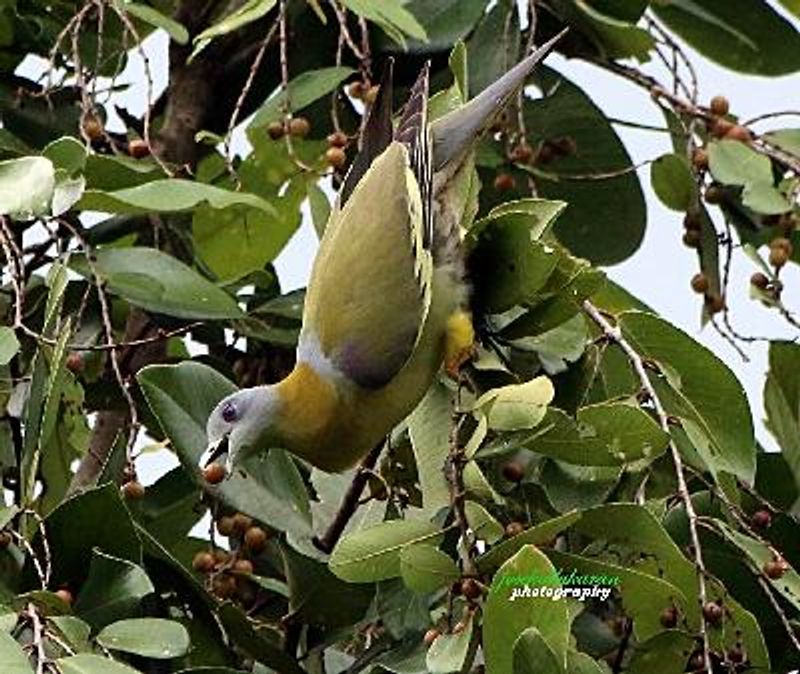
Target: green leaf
[(673, 182), (738, 34), (580, 663), (373, 553), (444, 21), (9, 344), (449, 651), (268, 487), (74, 630), (765, 198), (786, 139), (657, 654), (484, 526), (533, 655), (169, 195), (735, 163), (149, 637), (12, 656), (570, 487), (506, 618), (159, 282), (782, 401), (114, 590), (516, 406), (605, 219), (792, 5), (250, 11), (302, 91), (425, 568), (395, 20), (26, 187), (66, 153), (617, 39), (86, 663), (429, 429), (177, 31), (703, 392)]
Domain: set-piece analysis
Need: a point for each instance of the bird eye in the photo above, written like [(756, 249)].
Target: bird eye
[(229, 412)]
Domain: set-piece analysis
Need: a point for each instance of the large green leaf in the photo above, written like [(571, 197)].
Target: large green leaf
[(250, 11), (268, 487), (9, 344), (301, 92), (505, 619), (747, 36), (702, 392), (149, 637), (113, 591), (12, 656), (87, 663), (516, 406), (735, 163), (445, 21), (449, 651), (605, 219), (26, 187), (373, 553), (782, 401), (159, 282), (391, 16), (533, 655), (673, 182), (425, 568), (177, 31)]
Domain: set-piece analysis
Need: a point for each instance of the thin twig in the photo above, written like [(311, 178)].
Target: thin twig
[(781, 613), (454, 471), (38, 641)]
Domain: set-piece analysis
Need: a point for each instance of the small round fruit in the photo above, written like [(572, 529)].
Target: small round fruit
[(203, 562), (215, 473), (735, 655), (74, 362), (430, 636), (761, 519), (547, 153), (669, 617), (276, 130), (255, 539), (696, 662), (299, 127), (759, 280), (221, 557), (778, 257), (224, 586), (372, 94), (241, 523), (337, 139), (243, 566), (700, 283), (775, 568), (92, 128), (721, 127), (700, 159), (504, 182), (471, 589), (740, 133), (714, 194), (715, 303), (65, 595), (713, 613), (133, 490), (336, 157), (513, 471), (783, 243), (5, 539), (225, 526), (719, 106), (138, 149), (357, 89), (514, 529), (691, 238), (522, 153)]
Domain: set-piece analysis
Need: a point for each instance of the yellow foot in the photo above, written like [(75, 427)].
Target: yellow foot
[(459, 342)]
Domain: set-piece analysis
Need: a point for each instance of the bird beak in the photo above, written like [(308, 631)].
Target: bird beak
[(215, 450)]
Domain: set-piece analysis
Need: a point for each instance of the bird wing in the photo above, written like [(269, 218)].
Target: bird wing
[(370, 287)]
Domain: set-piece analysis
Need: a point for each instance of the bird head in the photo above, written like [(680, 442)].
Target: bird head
[(242, 423)]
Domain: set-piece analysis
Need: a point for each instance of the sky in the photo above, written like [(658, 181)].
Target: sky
[(658, 273)]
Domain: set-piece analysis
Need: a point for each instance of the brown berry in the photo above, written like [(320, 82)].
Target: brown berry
[(243, 566), (778, 257), (138, 149), (92, 128), (65, 595), (783, 243), (221, 557), (357, 89), (241, 523), (430, 636), (669, 617), (513, 471), (276, 130), (775, 568), (720, 127), (700, 283), (735, 655), (74, 362), (759, 280), (713, 613), (299, 127), (714, 194), (719, 106), (715, 303), (565, 146), (761, 519), (372, 95), (504, 182), (522, 153), (740, 133), (133, 490), (5, 539), (471, 589), (215, 473), (700, 159), (255, 539), (336, 157), (224, 586), (547, 152), (225, 526), (691, 238), (337, 139), (203, 562), (514, 529), (696, 663)]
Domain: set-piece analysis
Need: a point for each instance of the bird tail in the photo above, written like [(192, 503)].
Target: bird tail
[(456, 132)]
